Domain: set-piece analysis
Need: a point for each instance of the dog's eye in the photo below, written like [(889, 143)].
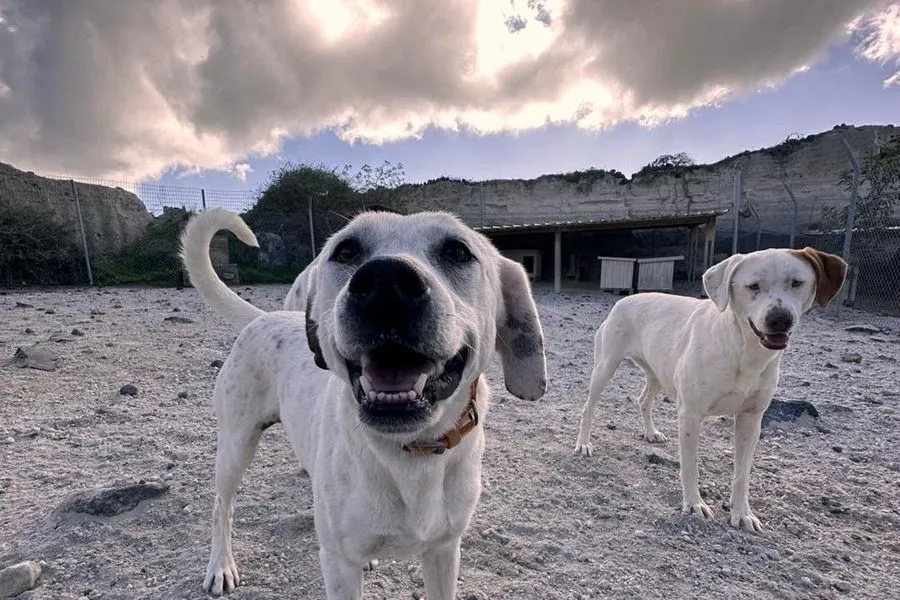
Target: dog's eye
[(456, 251), (753, 287), (796, 283), (347, 252)]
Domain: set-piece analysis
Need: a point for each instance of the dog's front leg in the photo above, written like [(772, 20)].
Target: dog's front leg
[(746, 435), (689, 426), (440, 568), (343, 579)]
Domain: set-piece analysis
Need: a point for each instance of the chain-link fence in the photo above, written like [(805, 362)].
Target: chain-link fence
[(63, 232)]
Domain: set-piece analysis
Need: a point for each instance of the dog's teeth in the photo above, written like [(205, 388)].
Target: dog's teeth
[(420, 383), (366, 384), (381, 395), (412, 394), (373, 395)]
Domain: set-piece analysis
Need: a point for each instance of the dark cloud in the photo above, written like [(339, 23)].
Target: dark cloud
[(128, 89)]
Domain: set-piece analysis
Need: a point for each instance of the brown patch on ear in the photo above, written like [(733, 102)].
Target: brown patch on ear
[(312, 337), (830, 272)]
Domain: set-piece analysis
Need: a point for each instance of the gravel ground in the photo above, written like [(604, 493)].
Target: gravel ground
[(550, 524)]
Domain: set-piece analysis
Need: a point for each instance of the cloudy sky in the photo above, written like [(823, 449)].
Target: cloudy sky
[(216, 93)]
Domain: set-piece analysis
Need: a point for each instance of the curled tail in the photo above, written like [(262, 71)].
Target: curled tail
[(195, 253)]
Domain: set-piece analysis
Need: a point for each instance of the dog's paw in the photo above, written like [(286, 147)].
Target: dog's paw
[(221, 576), (584, 447), (745, 519), (655, 437), (699, 508), (370, 566)]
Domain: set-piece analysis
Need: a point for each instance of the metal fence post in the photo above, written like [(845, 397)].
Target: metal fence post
[(793, 198), (203, 198), (736, 209), (87, 255)]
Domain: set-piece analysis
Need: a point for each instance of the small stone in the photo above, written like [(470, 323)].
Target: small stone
[(830, 365), (19, 578), (216, 364), (24, 305), (611, 426), (862, 329), (841, 586), (109, 502), (77, 332), (837, 449), (49, 311), (182, 394), (851, 357), (177, 319), (656, 459), (128, 390), (8, 440), (29, 330)]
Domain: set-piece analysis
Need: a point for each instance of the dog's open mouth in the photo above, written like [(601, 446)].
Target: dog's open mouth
[(395, 384), (772, 341)]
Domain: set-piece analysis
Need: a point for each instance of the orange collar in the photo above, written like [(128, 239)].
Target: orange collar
[(466, 423)]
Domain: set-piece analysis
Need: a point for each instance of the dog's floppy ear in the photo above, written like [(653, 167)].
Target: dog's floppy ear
[(520, 340), (312, 336), (831, 270), (717, 280)]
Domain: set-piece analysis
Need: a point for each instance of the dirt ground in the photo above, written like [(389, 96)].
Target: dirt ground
[(550, 524)]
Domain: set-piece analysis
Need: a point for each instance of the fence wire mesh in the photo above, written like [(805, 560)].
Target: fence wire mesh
[(65, 232)]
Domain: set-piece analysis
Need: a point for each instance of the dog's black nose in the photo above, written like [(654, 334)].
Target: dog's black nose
[(383, 286), (779, 320)]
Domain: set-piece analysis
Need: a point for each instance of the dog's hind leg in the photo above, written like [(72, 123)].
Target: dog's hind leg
[(645, 403), (236, 445), (604, 369)]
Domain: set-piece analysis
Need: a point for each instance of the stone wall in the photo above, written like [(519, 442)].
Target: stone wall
[(811, 166), (113, 218)]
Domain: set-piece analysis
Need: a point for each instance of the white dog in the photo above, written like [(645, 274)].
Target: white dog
[(378, 385), (715, 357)]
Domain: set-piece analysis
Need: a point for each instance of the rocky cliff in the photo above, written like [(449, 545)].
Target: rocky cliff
[(811, 167), (114, 218)]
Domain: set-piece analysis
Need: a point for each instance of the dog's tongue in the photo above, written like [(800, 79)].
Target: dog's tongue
[(392, 379), (777, 340)]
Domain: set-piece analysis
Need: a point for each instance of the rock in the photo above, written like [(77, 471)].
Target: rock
[(656, 459), (841, 586), (76, 332), (109, 502), (182, 395), (49, 311), (216, 364), (128, 390), (781, 411), (114, 218), (851, 357), (272, 250), (862, 329), (34, 357), (177, 319), (19, 578), (29, 330), (23, 305)]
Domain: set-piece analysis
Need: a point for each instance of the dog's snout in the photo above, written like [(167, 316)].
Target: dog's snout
[(779, 320), (388, 284)]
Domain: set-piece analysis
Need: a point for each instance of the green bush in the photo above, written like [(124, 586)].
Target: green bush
[(35, 249), (154, 258)]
